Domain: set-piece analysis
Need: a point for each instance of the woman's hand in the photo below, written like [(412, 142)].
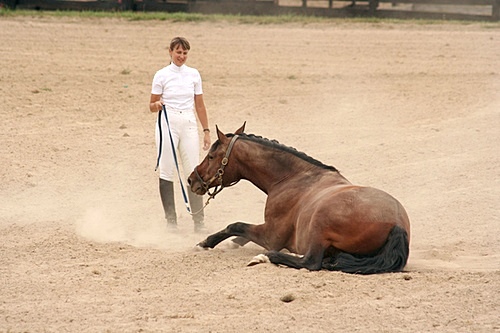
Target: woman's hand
[(206, 140), (158, 106)]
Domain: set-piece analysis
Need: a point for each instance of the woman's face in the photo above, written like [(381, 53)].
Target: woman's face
[(179, 55)]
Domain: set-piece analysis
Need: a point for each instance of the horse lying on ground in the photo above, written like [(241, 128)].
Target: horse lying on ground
[(323, 220)]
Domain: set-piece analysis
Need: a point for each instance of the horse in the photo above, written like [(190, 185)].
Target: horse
[(312, 212)]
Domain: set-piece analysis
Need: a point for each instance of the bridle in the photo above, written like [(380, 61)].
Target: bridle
[(218, 174)]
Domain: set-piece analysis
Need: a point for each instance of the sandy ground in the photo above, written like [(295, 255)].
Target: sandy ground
[(413, 109)]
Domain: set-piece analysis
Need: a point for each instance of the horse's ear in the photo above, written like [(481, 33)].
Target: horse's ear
[(241, 129), (222, 138)]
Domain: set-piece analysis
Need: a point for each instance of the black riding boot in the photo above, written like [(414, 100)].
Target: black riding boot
[(196, 202), (167, 199)]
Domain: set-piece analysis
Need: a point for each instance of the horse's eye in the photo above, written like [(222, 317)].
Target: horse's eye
[(210, 157)]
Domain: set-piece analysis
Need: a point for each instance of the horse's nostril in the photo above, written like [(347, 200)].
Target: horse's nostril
[(189, 181)]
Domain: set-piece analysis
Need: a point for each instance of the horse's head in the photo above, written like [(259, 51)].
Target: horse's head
[(210, 173)]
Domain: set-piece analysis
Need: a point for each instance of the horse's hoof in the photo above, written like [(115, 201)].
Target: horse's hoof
[(259, 259), (200, 247)]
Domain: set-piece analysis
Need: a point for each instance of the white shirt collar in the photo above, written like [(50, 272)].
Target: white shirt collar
[(176, 68)]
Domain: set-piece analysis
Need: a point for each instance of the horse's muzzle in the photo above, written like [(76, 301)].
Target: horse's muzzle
[(195, 184)]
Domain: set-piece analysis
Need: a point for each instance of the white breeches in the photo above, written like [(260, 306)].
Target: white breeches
[(184, 130)]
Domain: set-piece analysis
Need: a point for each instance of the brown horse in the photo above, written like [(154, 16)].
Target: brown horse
[(323, 220)]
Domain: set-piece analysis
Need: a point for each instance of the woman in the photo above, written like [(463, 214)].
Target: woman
[(177, 88)]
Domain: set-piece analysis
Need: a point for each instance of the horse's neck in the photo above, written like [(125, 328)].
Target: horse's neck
[(269, 170)]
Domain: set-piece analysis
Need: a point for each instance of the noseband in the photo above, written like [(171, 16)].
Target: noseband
[(218, 175)]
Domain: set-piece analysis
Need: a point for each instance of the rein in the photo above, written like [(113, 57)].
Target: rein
[(218, 174)]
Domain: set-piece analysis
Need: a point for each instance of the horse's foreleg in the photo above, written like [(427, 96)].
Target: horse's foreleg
[(241, 241), (234, 229)]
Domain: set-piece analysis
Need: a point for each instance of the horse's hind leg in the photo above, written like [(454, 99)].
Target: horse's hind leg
[(312, 260)]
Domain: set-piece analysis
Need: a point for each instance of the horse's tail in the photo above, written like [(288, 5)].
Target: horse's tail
[(392, 257)]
